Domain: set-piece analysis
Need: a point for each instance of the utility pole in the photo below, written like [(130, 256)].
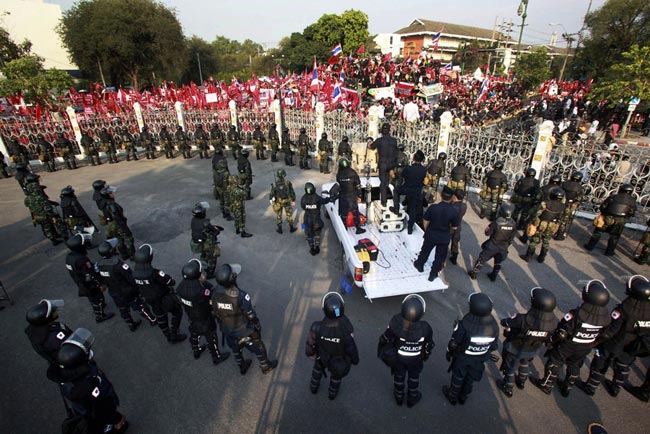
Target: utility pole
[(569, 41), (101, 73), (494, 30), (198, 58), (521, 11)]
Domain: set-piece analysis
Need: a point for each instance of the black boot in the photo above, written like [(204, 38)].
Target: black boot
[(220, 357), (446, 390), (134, 324), (245, 234), (243, 367), (495, 272), (175, 337), (292, 228), (542, 255), (591, 244), (413, 398), (279, 229), (585, 387), (505, 388), (360, 230), (103, 317), (528, 255), (197, 353), (268, 365), (474, 271), (453, 258)]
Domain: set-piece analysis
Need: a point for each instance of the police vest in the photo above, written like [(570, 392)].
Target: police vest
[(537, 328), (503, 231), (148, 285), (620, 205), (312, 208), (585, 333), (228, 310), (527, 187), (494, 179), (323, 145), (281, 190), (195, 299), (114, 281), (197, 229), (480, 334), (409, 343), (459, 173), (329, 340), (572, 189), (552, 211), (437, 167)]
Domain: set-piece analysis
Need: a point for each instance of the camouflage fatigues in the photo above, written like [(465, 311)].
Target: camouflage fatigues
[(117, 228), (216, 137), (108, 144), (201, 141), (495, 185), (90, 147), (167, 143), (128, 144), (546, 220), (147, 142), (274, 140), (258, 144), (282, 195), (236, 196), (233, 140), (43, 213), (324, 153), (303, 150), (183, 143), (220, 175)]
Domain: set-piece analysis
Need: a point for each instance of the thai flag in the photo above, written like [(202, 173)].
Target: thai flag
[(436, 38), (484, 89), (337, 50), (342, 77), (315, 86), (336, 96), (448, 66)]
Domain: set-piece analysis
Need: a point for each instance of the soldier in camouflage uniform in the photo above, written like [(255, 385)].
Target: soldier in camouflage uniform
[(460, 176), (258, 143), (108, 143), (345, 150), (283, 197), (236, 199), (526, 194), (401, 163), (545, 223), (220, 175), (286, 148), (74, 214), (436, 169), (166, 142), (128, 144), (615, 211), (245, 173), (274, 140), (204, 238), (90, 147), (324, 153), (216, 137), (182, 142), (233, 139), (642, 258), (46, 153), (42, 210), (303, 149), (201, 140), (117, 224), (146, 140), (68, 151), (17, 152), (574, 195), (495, 185)]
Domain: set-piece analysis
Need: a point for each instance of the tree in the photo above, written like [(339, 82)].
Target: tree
[(10, 50), (124, 39), (627, 79), (612, 30), (26, 76), (206, 52), (532, 68)]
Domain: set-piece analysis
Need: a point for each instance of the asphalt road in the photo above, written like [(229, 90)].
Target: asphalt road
[(164, 390)]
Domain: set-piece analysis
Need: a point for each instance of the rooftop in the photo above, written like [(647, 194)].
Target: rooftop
[(420, 25)]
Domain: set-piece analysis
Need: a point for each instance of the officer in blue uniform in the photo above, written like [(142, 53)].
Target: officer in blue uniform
[(411, 186)]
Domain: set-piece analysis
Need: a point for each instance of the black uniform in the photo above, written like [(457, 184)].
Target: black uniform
[(167, 142), (3, 166), (21, 174), (331, 343), (183, 142), (461, 207), (18, 152), (439, 219), (350, 189), (146, 139), (195, 297), (73, 213), (287, 144), (527, 193), (108, 142), (128, 143), (436, 169), (459, 177), (47, 339), (46, 154), (245, 172), (386, 147), (83, 273), (155, 286), (345, 150), (411, 186), (616, 209), (90, 148), (201, 140), (501, 232), (311, 204)]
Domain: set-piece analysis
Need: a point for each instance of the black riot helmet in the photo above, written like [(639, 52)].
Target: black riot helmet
[(498, 165), (542, 299), (480, 304), (555, 179), (99, 184), (44, 312), (462, 161), (76, 350), (309, 188), (323, 136), (179, 128), (595, 293), (506, 210), (67, 191), (144, 254), (107, 191), (385, 129), (76, 243), (32, 177), (531, 172), (107, 248), (21, 166), (343, 163), (442, 156), (413, 307), (638, 288), (576, 176), (625, 188), (257, 126), (333, 305), (345, 138), (401, 147), (280, 174), (39, 136), (192, 270), (198, 211), (557, 193), (227, 274), (303, 130)]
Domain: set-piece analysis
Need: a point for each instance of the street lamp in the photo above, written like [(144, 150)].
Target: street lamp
[(568, 37), (521, 11)]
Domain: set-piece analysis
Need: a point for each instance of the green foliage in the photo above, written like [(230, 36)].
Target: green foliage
[(612, 30), (475, 55), (26, 75), (130, 38), (627, 79), (532, 68), (10, 50)]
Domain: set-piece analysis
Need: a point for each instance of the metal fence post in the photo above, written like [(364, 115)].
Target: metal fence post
[(373, 122), (543, 147), (180, 114), (75, 127), (320, 120), (275, 107), (445, 128), (232, 105), (138, 115)]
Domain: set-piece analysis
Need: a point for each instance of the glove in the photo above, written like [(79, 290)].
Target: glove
[(494, 356), (448, 356)]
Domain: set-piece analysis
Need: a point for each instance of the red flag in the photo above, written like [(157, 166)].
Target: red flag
[(362, 49), (333, 60), (386, 57), (38, 112)]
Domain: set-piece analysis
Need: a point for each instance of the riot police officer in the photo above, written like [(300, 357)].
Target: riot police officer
[(331, 344), (166, 142), (349, 193), (614, 212), (258, 143), (311, 203), (156, 286), (524, 335), (501, 232), (386, 147), (495, 185), (474, 337), (216, 137), (574, 338), (68, 151), (74, 214), (86, 386), (274, 140), (17, 152), (108, 143), (116, 275), (544, 225), (527, 193), (238, 320), (204, 238), (195, 293), (201, 140), (84, 274), (406, 343), (45, 333), (128, 144), (554, 180), (287, 144), (22, 170), (233, 138), (146, 139), (98, 185), (573, 189), (46, 153), (303, 149), (324, 153), (283, 197), (245, 172), (412, 180), (117, 225), (182, 142), (436, 169), (90, 147), (459, 176), (630, 330), (345, 150)]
